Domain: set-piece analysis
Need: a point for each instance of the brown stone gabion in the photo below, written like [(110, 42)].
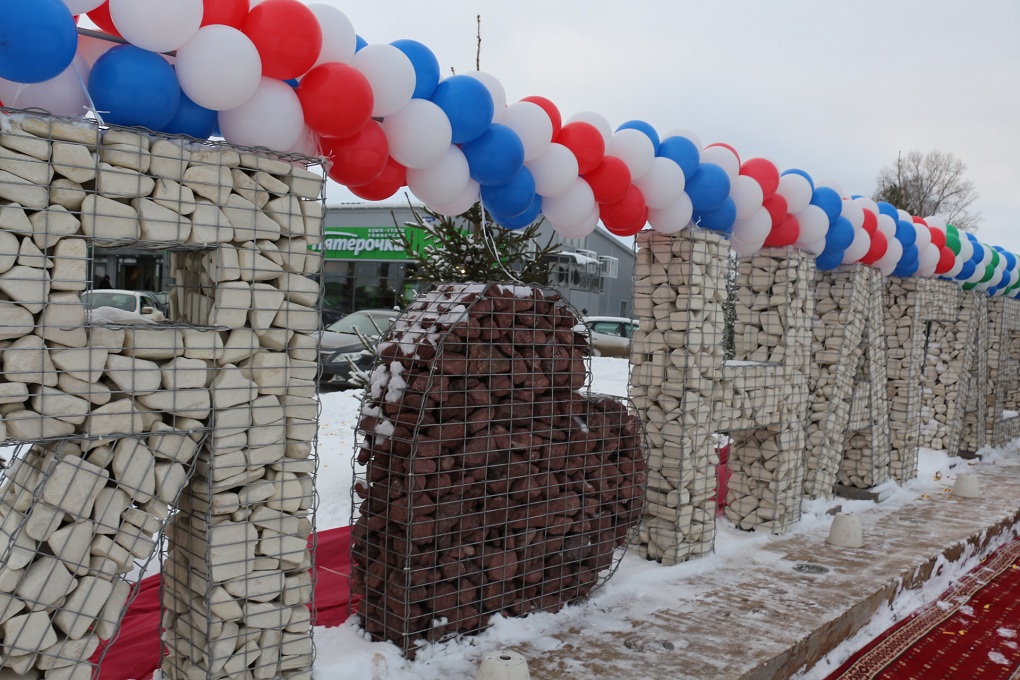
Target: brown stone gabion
[(492, 484)]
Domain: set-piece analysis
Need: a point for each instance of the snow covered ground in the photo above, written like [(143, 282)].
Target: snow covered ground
[(346, 653)]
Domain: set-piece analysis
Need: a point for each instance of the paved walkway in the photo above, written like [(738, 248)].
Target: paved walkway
[(782, 619)]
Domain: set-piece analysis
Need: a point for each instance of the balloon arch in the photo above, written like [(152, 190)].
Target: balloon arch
[(293, 77)]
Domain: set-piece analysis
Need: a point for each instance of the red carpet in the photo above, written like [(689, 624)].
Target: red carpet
[(972, 632), (135, 653)]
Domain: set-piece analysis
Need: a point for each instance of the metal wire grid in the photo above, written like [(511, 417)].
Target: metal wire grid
[(492, 484), (773, 326), (122, 395), (976, 433), (1004, 369)]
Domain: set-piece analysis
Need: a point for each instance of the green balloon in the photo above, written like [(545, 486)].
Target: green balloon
[(995, 258), (989, 273), (968, 286), (953, 241)]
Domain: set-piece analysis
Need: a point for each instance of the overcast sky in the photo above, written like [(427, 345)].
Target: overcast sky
[(835, 88)]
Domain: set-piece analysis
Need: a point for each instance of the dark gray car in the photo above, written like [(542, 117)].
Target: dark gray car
[(340, 345)]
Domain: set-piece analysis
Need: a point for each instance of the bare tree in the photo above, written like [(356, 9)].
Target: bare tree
[(930, 184)]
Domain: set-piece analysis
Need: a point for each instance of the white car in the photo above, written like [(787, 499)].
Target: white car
[(611, 335), (140, 303)]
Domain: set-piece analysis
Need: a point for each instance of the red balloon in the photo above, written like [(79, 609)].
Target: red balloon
[(947, 259), (610, 181), (359, 159), (938, 237), (626, 217), (550, 110), (777, 208), (725, 146), (287, 36), (919, 220), (385, 185), (336, 98), (762, 171), (879, 245), (227, 12), (586, 142), (100, 16), (785, 234), (870, 222)]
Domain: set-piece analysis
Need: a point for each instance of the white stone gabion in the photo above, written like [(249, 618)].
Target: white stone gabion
[(848, 429), (207, 421), (1004, 370)]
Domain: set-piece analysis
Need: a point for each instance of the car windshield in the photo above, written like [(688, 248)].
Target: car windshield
[(362, 322), (122, 301)]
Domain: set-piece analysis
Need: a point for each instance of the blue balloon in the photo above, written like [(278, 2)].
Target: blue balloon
[(721, 219), (708, 188), (905, 269), (38, 39), (359, 43), (905, 233), (191, 120), (798, 171), (496, 156), (426, 67), (293, 82), (1010, 259), (522, 220), (644, 127), (888, 209), (510, 199), (683, 152), (840, 235), (910, 254), (967, 271), (979, 249), (828, 200), (134, 87), (829, 260), (468, 105)]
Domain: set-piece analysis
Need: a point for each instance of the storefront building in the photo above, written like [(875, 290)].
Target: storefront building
[(364, 268)]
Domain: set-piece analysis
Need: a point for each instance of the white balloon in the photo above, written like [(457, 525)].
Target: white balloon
[(581, 229), (635, 149), (672, 218), (554, 171), (338, 38), (495, 89), (219, 68), (956, 268), (271, 118), (887, 226), (598, 121), (858, 248), (157, 25), (755, 228), (391, 75), (867, 204), (928, 260), (63, 95), (532, 125), (307, 144), (923, 236), (831, 184), (90, 49), (746, 194), (936, 222), (682, 132), (887, 263), (724, 158), (462, 203), (663, 184), (443, 181), (966, 249), (419, 134), (744, 248), (815, 248), (572, 208), (796, 190), (904, 215), (813, 226), (82, 6), (854, 212)]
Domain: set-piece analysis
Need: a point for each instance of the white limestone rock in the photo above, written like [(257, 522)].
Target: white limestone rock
[(134, 469), (250, 223), (209, 224), (25, 166), (304, 183), (121, 182), (132, 375), (168, 159), (158, 223), (27, 286), (231, 305), (105, 218), (53, 224), (70, 260), (28, 360), (70, 544), (51, 402), (116, 417), (209, 181), (27, 633), (153, 343), (74, 162)]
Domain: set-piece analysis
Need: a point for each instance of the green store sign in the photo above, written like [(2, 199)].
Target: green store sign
[(369, 243)]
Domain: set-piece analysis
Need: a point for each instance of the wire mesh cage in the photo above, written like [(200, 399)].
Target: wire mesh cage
[(115, 404), (492, 483)]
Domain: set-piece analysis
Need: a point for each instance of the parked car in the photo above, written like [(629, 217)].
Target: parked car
[(142, 303), (611, 335), (340, 345)]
